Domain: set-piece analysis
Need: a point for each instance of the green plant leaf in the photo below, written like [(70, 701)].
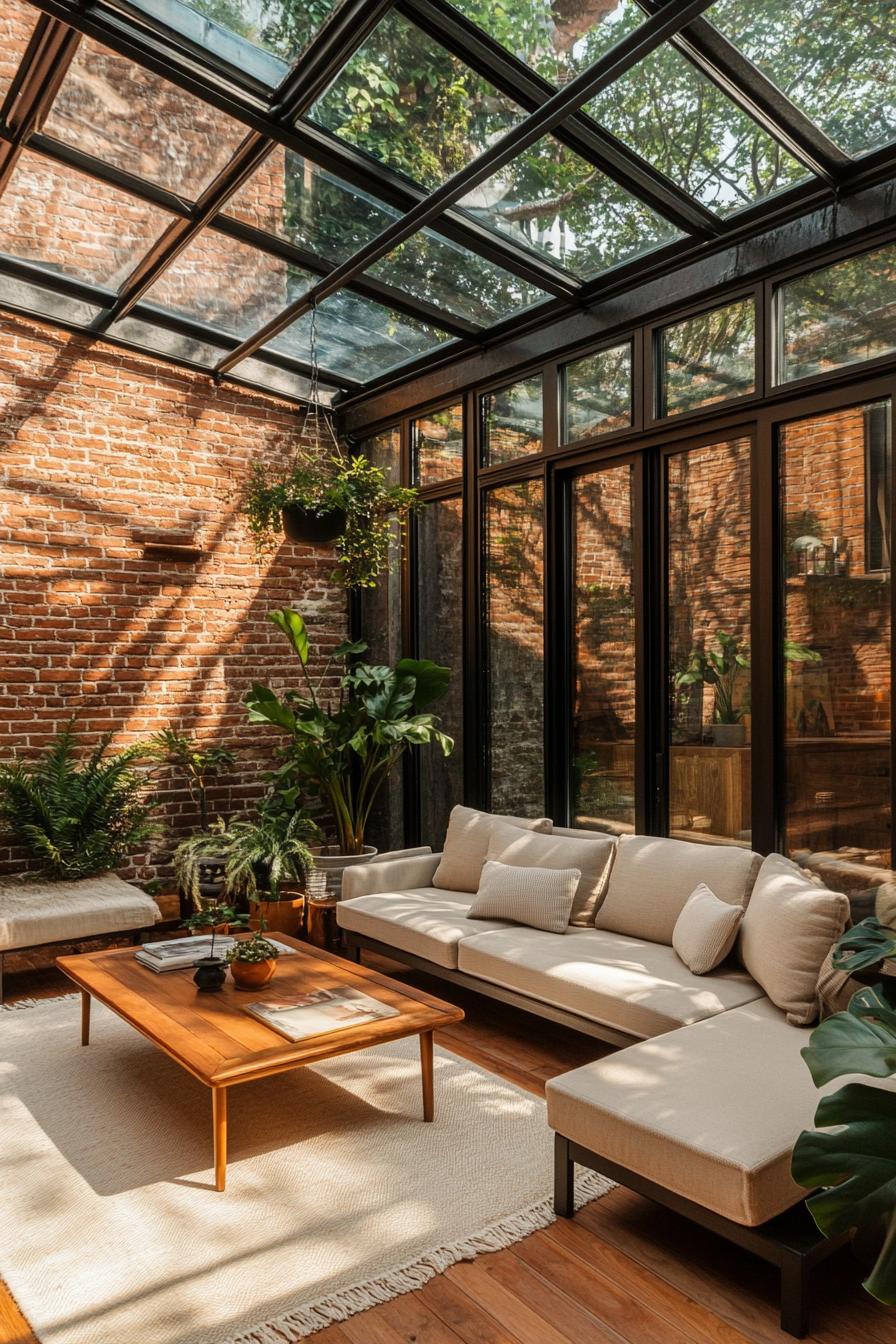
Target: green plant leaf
[(265, 707), (351, 648), (292, 625), (867, 944), (431, 679), (860, 1040), (855, 1163)]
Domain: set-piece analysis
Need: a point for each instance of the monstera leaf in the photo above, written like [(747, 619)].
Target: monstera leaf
[(856, 1162), (861, 1040), (867, 944), (431, 679)]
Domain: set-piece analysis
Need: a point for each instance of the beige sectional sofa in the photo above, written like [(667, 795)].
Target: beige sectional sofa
[(701, 1108)]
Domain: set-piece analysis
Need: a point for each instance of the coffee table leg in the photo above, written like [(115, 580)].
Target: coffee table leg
[(85, 1017), (426, 1070), (219, 1124)]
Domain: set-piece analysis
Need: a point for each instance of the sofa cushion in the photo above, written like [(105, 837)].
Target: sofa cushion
[(787, 931), (57, 912), (639, 988), (593, 857), (425, 922), (467, 842), (710, 1112), (706, 930), (652, 879), (539, 897)]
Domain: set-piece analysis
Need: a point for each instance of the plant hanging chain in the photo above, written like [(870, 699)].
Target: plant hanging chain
[(318, 440)]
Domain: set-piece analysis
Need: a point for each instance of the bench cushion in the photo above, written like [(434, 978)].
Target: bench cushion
[(32, 913), (637, 987), (652, 880), (710, 1112), (425, 921)]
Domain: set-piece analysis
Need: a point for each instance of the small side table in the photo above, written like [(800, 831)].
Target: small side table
[(321, 928)]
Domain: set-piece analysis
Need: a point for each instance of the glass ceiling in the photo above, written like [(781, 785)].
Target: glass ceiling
[(197, 178)]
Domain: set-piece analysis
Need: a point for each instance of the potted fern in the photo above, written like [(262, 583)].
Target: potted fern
[(268, 860)]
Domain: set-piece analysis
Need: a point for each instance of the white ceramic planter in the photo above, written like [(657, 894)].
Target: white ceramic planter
[(328, 859)]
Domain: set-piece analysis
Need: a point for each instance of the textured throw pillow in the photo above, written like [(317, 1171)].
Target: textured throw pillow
[(539, 897), (592, 857), (705, 930), (653, 878), (466, 845), (787, 932)]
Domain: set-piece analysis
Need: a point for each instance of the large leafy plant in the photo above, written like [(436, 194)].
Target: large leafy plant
[(344, 752), (720, 668), (77, 817)]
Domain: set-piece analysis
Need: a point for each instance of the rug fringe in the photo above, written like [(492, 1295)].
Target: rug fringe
[(36, 1003), (307, 1320)]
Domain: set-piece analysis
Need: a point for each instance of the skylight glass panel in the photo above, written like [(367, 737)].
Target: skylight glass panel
[(557, 39), (129, 117), (16, 26), (835, 59), (413, 105), (262, 38), (552, 201), (75, 224), (359, 338), (227, 284), (683, 125)]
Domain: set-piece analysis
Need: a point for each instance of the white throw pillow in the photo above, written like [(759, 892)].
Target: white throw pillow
[(593, 858), (466, 845), (539, 897), (787, 931), (705, 930)]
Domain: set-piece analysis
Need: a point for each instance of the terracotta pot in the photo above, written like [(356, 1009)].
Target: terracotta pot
[(283, 916), (252, 974)]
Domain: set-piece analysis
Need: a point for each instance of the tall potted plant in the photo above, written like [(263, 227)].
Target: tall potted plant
[(345, 751)]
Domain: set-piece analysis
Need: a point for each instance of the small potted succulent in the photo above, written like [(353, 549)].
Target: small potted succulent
[(211, 971), (252, 961)]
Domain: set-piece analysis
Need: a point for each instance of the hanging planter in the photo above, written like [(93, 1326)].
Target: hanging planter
[(314, 529)]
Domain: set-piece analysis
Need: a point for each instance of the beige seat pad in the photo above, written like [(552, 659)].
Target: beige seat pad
[(56, 912), (425, 921), (638, 987), (710, 1112)]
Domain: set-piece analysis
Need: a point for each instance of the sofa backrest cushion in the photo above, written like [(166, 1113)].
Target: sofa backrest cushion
[(593, 858), (706, 930), (540, 897), (467, 842), (787, 931), (652, 879)]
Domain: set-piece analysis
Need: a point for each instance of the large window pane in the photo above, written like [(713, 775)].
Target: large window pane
[(708, 503), (413, 104), (513, 609), (836, 500), (384, 451), (708, 358), (597, 393), (381, 627), (834, 58), (512, 422), (840, 315), (604, 652), (440, 626), (439, 445)]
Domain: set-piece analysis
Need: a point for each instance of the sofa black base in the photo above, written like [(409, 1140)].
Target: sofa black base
[(791, 1241), (355, 942)]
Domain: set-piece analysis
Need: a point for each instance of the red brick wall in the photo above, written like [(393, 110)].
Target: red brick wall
[(97, 445)]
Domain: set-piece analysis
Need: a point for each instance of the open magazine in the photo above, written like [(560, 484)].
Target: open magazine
[(323, 1010)]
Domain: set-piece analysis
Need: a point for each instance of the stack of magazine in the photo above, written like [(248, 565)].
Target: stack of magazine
[(180, 953)]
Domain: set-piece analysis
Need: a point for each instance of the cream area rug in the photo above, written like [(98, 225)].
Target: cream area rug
[(338, 1195)]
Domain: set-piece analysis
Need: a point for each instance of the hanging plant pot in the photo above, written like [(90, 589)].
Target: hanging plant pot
[(314, 529)]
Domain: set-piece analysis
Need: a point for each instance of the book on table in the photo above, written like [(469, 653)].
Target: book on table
[(299, 1016), (179, 953)]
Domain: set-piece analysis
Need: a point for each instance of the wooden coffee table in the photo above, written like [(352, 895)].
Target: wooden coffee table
[(213, 1039)]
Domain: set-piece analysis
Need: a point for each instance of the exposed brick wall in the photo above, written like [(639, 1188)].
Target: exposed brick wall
[(97, 445)]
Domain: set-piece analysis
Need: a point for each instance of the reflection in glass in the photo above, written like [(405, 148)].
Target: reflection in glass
[(452, 278), (708, 557), (439, 445), (228, 284), (834, 58), (513, 618), (708, 358), (16, 293), (72, 223), (840, 315), (512, 422), (17, 23), (557, 39), (381, 627), (837, 695), (687, 128), (604, 651), (597, 393), (440, 637), (126, 115), (413, 104), (384, 451), (552, 201), (358, 337)]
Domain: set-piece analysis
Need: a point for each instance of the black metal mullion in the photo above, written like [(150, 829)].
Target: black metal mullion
[(43, 67)]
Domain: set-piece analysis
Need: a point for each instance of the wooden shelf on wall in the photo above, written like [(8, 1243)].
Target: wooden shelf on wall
[(160, 544)]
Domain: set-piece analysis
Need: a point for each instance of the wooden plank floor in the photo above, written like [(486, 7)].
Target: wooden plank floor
[(622, 1272)]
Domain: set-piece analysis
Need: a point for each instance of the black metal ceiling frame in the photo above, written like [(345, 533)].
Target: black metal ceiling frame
[(276, 121)]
